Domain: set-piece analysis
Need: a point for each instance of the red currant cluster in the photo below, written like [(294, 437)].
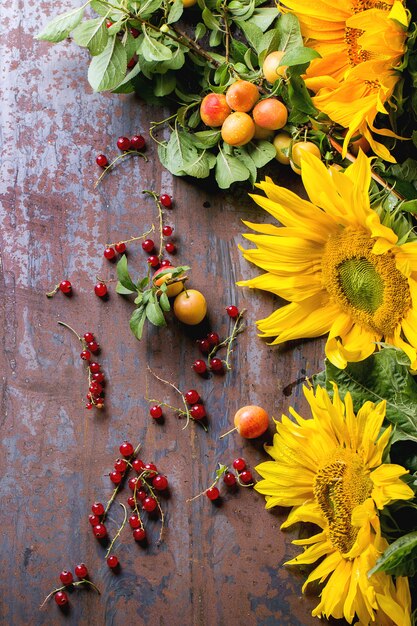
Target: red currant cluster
[(210, 345), (67, 579), (134, 144), (192, 399), (238, 475), (143, 486)]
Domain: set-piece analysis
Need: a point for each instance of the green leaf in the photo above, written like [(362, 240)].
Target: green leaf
[(148, 7), (209, 20), (299, 56), (139, 299), (137, 321), (124, 291), (175, 11), (288, 28), (215, 40), (200, 168), (222, 469), (268, 43), (99, 7), (92, 34), (382, 376), (410, 206), (155, 314), (229, 169), (124, 276), (125, 86), (180, 151), (252, 33), (60, 27), (261, 152), (206, 138), (400, 558), (153, 50), (164, 84), (299, 97), (164, 302), (264, 17), (108, 69), (143, 283), (200, 31), (243, 156)]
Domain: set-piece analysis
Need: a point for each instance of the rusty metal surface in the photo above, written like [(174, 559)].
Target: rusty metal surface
[(218, 566)]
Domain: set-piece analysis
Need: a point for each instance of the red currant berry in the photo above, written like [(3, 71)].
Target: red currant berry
[(216, 365), (116, 477), (85, 355), (153, 261), (109, 253), (94, 367), (89, 337), (213, 493), (131, 502), (139, 534), (101, 160), (246, 476), (65, 286), (141, 495), (120, 247), (135, 32), (126, 449), (131, 64), (137, 142), (232, 311), (94, 519), (100, 290), (109, 23), (97, 508), (148, 245), (89, 406), (138, 465), (93, 346), (239, 464), (165, 200), (112, 561), (134, 521), (134, 483), (151, 469), (167, 231), (213, 339), (170, 247), (149, 504), (98, 376), (66, 577), (155, 411), (204, 345), (81, 570), (100, 531), (229, 479), (123, 143), (95, 388), (160, 482), (165, 263), (61, 598), (120, 465), (200, 366), (192, 397), (198, 411)]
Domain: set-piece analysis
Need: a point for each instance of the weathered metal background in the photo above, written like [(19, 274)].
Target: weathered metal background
[(218, 566)]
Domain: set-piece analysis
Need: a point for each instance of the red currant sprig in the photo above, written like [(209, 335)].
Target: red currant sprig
[(162, 201), (211, 344), (119, 247), (239, 475), (67, 579), (64, 287), (130, 147)]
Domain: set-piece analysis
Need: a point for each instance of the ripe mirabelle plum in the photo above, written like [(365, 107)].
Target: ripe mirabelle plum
[(214, 109), (271, 68), (172, 290), (238, 129), (188, 3), (282, 141), (262, 133), (299, 149), (242, 96), (270, 113), (190, 307)]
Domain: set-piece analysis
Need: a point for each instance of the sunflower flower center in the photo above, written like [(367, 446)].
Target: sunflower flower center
[(367, 286), (363, 5), (339, 486), (356, 54)]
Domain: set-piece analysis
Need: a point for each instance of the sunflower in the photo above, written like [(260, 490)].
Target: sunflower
[(361, 42), (330, 470), (343, 271)]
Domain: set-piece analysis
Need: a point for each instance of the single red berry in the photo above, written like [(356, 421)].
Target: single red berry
[(200, 366), (229, 479), (101, 160), (213, 339), (89, 337), (160, 482), (246, 476), (85, 355), (65, 286), (61, 598), (204, 345), (94, 519), (112, 561), (123, 143), (138, 465), (66, 577), (95, 388), (167, 231), (170, 247), (135, 32), (239, 464), (216, 365), (100, 290), (151, 469), (116, 477), (165, 263), (98, 376), (109, 23), (213, 493), (141, 495), (89, 406), (148, 245), (100, 531), (232, 311), (109, 253), (134, 483), (139, 534), (94, 367), (120, 465), (97, 508), (165, 200), (93, 346), (155, 411), (138, 142), (126, 448), (81, 570), (134, 521), (198, 411), (131, 502), (153, 261), (120, 247), (131, 64), (192, 397), (149, 504)]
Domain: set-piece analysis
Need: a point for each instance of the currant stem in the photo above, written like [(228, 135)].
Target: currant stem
[(109, 549), (232, 430), (72, 330), (154, 195), (151, 230), (50, 294), (187, 412), (238, 328), (78, 583), (118, 158), (213, 484)]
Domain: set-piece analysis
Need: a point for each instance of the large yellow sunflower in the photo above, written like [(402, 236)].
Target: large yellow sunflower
[(360, 42), (330, 470), (343, 271)]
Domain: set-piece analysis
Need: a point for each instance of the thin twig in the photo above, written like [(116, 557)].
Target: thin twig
[(148, 232), (109, 549)]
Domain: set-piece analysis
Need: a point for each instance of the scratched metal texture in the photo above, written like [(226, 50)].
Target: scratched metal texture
[(218, 566)]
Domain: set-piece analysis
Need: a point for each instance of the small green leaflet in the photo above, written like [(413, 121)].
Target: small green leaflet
[(148, 7), (92, 34), (299, 56), (124, 276), (60, 27), (229, 169), (108, 69), (200, 168), (152, 49), (155, 314), (400, 558), (123, 290), (261, 152), (137, 321), (175, 11)]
